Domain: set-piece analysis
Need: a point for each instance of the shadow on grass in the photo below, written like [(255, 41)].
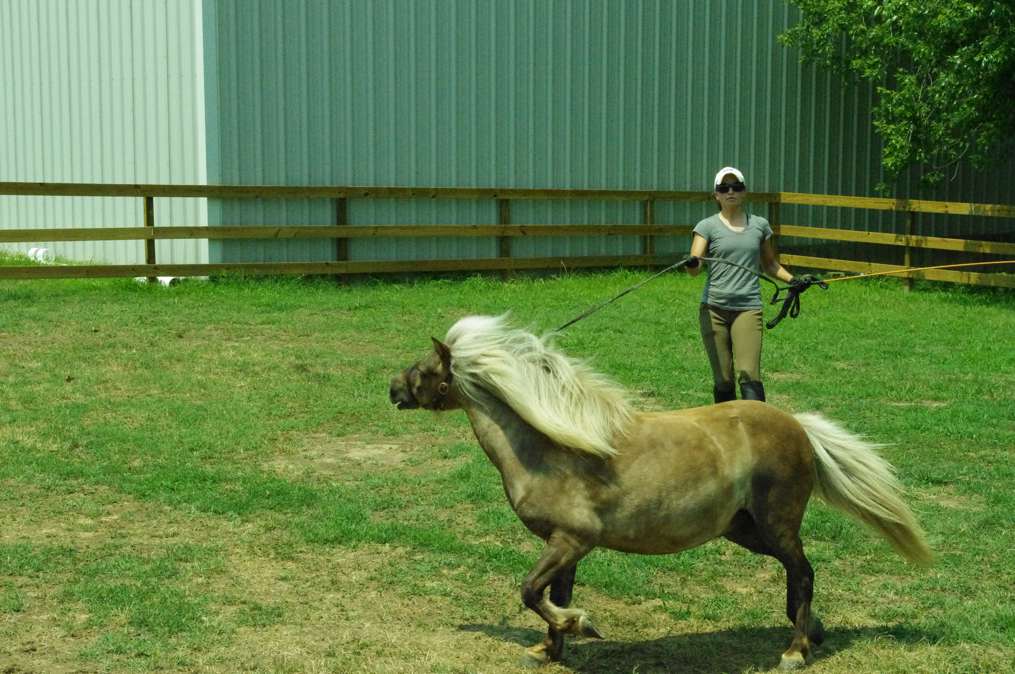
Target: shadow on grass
[(732, 650)]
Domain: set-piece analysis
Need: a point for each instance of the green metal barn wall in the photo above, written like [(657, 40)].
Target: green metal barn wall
[(102, 91), (527, 93), (626, 94)]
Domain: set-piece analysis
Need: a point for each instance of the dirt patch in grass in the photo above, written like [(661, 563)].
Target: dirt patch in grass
[(324, 455), (50, 631), (340, 612), (927, 404), (947, 496)]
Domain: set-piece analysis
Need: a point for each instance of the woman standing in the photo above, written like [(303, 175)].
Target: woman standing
[(730, 314)]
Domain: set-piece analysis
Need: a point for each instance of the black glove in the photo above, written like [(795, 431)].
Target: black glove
[(791, 303), (692, 262), (804, 281)]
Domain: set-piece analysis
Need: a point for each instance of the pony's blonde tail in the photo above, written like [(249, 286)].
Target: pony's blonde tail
[(852, 477)]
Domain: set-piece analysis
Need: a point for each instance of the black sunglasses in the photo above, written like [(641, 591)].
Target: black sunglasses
[(723, 188)]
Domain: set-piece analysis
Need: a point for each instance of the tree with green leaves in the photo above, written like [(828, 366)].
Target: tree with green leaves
[(944, 72)]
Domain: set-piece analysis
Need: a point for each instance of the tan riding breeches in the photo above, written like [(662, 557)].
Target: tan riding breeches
[(732, 340)]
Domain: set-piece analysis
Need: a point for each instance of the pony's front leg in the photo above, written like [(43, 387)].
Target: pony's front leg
[(557, 565), (552, 648)]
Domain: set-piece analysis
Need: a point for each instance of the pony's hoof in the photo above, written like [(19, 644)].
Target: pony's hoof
[(817, 631), (587, 629), (792, 661), (536, 656)]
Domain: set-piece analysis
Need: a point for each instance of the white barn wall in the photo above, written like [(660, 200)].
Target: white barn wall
[(104, 91)]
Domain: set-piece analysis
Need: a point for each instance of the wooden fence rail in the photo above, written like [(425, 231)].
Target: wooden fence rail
[(504, 231), (328, 232)]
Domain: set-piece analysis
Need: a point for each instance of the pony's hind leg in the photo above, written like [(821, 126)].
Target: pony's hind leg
[(799, 593), (780, 539), (556, 566)]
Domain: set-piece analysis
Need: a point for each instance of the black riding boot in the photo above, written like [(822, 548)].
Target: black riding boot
[(752, 390), (724, 393)]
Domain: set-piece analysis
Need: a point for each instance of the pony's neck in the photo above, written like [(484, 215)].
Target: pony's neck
[(517, 449)]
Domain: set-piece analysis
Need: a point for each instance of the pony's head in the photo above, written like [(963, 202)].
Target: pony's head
[(484, 358), (426, 383)]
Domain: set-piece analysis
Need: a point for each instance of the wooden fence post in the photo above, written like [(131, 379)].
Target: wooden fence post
[(773, 220), (149, 244), (341, 245), (648, 217), (504, 242), (907, 253)]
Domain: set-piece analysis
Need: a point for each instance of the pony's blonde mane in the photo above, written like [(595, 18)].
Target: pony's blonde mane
[(558, 395)]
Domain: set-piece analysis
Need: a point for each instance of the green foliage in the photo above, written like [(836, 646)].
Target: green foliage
[(944, 71)]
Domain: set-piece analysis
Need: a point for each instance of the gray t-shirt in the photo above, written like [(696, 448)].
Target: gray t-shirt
[(727, 286)]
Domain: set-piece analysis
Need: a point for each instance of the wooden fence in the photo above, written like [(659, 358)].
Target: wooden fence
[(504, 231)]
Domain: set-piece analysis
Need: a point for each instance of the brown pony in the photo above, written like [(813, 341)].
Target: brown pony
[(583, 469)]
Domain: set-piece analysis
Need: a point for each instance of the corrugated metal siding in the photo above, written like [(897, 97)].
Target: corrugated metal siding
[(643, 94), (102, 91), (521, 94), (646, 94)]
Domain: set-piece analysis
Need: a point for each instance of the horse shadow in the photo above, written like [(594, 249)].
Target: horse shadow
[(733, 650)]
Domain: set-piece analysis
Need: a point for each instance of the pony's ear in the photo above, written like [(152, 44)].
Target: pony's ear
[(443, 351)]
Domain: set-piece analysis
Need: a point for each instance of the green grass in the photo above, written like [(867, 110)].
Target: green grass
[(209, 477)]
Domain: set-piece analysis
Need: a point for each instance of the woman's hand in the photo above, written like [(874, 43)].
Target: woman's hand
[(699, 246), (804, 281)]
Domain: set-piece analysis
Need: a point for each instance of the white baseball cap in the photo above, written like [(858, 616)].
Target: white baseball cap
[(725, 171)]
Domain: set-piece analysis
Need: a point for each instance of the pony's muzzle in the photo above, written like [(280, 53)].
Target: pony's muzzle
[(398, 393)]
